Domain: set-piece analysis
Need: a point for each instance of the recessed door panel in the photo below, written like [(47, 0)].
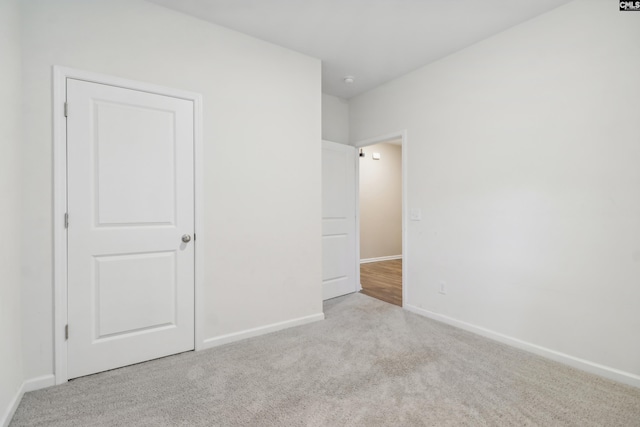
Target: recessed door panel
[(136, 172), (135, 292), (334, 179), (335, 247)]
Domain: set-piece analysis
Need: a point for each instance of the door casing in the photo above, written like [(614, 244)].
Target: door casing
[(60, 76)]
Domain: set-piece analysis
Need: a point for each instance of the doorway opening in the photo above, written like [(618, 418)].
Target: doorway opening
[(381, 218)]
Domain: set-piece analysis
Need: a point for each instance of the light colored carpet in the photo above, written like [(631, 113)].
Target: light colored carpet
[(368, 364)]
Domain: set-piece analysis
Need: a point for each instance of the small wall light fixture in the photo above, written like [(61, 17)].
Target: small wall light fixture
[(375, 156), (349, 79)]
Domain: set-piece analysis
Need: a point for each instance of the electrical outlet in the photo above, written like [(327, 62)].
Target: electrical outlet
[(443, 287)]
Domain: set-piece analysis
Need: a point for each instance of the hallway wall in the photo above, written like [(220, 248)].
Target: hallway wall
[(381, 202)]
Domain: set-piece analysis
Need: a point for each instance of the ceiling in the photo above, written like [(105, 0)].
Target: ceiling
[(373, 40)]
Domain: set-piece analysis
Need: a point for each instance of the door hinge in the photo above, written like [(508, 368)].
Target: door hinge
[(66, 109), (194, 237), (66, 220), (66, 331)]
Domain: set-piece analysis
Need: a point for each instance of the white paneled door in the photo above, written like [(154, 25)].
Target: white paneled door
[(338, 220), (130, 160)]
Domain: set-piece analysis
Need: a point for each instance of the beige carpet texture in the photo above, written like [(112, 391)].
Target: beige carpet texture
[(368, 364)]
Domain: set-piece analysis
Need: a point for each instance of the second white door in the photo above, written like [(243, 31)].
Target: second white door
[(131, 226), (338, 220)]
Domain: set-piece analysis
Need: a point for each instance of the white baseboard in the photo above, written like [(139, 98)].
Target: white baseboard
[(27, 386), (11, 409), (575, 362), (382, 258), (37, 383), (262, 330)]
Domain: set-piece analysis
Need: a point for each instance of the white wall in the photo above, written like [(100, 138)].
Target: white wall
[(262, 132), (524, 156), (380, 187), (335, 119), (10, 320)]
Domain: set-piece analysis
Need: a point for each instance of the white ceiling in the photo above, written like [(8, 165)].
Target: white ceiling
[(373, 40)]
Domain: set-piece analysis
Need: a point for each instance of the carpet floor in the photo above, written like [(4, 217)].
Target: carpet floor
[(368, 364)]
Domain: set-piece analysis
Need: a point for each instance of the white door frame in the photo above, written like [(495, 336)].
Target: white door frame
[(60, 76), (402, 135)]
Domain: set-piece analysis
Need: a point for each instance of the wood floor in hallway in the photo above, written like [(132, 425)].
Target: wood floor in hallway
[(383, 280)]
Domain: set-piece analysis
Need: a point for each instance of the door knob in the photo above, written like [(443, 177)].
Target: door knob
[(186, 238)]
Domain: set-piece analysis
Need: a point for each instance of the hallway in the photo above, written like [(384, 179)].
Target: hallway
[(383, 280)]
